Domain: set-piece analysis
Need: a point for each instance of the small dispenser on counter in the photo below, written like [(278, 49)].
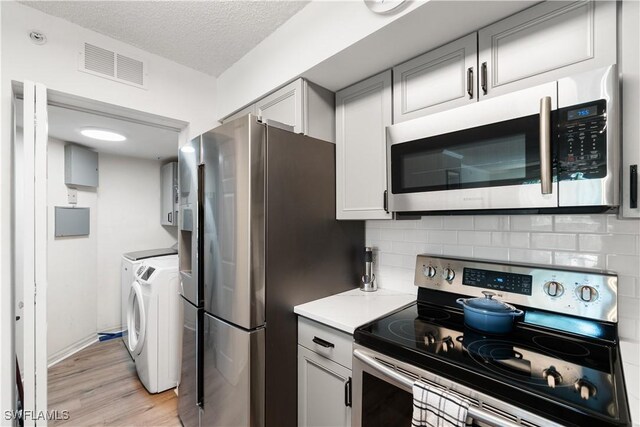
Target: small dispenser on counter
[(368, 279)]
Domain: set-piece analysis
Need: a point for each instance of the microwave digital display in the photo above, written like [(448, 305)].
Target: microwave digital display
[(497, 280), (581, 113)]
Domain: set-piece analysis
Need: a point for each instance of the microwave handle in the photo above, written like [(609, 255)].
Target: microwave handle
[(406, 382), (545, 145)]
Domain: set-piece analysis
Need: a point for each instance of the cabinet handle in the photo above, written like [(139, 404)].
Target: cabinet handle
[(322, 343), (385, 201), (169, 217), (633, 187), (470, 82), (347, 393), (545, 145), (483, 77)]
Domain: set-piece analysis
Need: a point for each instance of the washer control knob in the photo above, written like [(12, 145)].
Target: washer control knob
[(585, 388), (429, 271), (552, 376), (587, 293), (553, 289), (448, 274)]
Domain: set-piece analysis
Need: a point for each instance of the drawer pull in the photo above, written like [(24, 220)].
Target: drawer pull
[(322, 343)]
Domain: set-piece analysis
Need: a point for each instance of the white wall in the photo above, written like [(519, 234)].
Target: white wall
[(174, 91), (589, 241), (128, 220), (72, 264)]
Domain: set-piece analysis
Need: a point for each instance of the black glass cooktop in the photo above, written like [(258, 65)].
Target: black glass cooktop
[(562, 377)]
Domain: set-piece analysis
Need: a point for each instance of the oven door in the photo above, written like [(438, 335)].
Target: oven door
[(495, 154), (382, 395)]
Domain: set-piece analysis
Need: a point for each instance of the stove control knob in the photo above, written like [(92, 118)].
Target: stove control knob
[(552, 376), (585, 388), (447, 344), (587, 293), (429, 271), (553, 289), (429, 338), (448, 274)]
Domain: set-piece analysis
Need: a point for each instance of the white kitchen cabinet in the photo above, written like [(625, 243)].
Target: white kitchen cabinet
[(630, 83), (363, 111), (307, 107), (169, 194), (249, 109), (438, 80), (324, 375), (546, 42)]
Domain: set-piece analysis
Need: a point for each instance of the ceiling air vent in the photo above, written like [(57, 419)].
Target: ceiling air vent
[(112, 65)]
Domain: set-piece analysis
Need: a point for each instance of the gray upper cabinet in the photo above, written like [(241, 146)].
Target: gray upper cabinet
[(249, 109), (363, 111), (630, 70), (169, 194), (438, 80), (546, 42), (305, 106), (284, 105)]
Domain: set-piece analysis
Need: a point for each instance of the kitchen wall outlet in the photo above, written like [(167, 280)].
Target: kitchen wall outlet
[(72, 196)]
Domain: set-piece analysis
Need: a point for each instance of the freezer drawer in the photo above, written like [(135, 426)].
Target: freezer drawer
[(189, 391), (234, 373)]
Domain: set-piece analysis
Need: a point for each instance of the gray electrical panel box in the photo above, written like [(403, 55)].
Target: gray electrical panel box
[(72, 221), (80, 166)]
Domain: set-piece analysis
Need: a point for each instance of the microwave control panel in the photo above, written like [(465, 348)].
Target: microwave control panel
[(581, 133)]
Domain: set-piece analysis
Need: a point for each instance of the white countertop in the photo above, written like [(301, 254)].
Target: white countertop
[(354, 308)]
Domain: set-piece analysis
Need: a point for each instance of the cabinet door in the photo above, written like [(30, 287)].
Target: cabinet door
[(284, 105), (363, 111), (167, 212), (324, 391), (546, 42), (630, 70), (240, 113), (438, 80)]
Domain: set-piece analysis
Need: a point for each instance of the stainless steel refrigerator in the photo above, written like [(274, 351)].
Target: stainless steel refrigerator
[(258, 235)]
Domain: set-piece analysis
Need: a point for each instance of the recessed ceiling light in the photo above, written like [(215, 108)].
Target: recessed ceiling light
[(103, 135)]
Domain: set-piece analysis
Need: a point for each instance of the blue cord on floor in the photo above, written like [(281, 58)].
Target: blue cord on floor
[(104, 336)]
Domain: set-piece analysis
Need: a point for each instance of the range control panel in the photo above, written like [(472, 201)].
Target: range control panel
[(581, 132), (589, 294)]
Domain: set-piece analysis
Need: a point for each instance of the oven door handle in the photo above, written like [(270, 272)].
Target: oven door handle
[(406, 383)]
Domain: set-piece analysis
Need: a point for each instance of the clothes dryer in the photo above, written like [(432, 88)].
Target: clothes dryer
[(154, 324)]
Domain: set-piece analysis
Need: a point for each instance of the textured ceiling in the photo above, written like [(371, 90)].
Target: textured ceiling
[(208, 36)]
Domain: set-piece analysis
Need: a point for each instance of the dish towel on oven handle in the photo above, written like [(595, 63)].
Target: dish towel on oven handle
[(436, 407)]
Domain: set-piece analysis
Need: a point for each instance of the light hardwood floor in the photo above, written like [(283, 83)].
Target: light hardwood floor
[(99, 387)]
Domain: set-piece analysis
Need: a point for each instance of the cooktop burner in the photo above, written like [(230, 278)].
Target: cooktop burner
[(557, 368)]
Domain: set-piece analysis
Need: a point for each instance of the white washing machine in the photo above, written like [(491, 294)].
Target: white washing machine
[(128, 266), (154, 324)]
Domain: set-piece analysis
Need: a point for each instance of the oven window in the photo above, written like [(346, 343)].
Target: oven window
[(383, 404), (499, 154)]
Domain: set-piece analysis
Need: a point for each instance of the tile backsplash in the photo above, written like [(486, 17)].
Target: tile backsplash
[(588, 241)]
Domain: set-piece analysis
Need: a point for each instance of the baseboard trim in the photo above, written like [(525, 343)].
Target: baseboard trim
[(71, 350)]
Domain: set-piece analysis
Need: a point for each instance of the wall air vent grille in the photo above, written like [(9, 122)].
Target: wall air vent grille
[(130, 69), (99, 60), (112, 65)]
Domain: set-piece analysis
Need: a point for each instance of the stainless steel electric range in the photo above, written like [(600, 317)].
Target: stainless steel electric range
[(559, 366)]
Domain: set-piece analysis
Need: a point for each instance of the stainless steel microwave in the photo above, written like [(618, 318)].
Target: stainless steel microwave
[(549, 148)]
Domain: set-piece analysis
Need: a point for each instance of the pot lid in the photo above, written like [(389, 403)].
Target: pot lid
[(489, 304)]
